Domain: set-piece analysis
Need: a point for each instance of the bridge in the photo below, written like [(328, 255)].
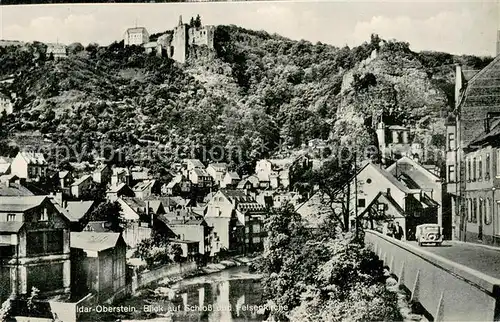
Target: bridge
[(454, 282)]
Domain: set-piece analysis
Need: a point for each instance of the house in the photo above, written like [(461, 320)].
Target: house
[(275, 173), (140, 221), (280, 199), (57, 51), (481, 202), (147, 188), (135, 36), (6, 105), (476, 106), (416, 176), (217, 171), (190, 226), (117, 191), (29, 165), (200, 178), (249, 183), (65, 179), (99, 264), (230, 180), (81, 185), (189, 165), (179, 185), (102, 174), (237, 219), (120, 175), (34, 247), (373, 182)]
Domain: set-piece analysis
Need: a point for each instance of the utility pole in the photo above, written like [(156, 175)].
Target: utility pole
[(356, 221)]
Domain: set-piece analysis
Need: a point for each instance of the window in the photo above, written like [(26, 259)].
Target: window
[(256, 228), (474, 169), (474, 210), (468, 206), (256, 240), (488, 167), (46, 242), (480, 210), (498, 219), (451, 141), (11, 217), (488, 212), (469, 170), (451, 173), (480, 169), (44, 215), (498, 162), (361, 203), (247, 230)]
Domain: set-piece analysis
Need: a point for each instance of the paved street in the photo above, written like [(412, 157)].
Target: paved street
[(476, 257)]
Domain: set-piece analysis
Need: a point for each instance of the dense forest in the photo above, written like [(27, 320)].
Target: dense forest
[(253, 94)]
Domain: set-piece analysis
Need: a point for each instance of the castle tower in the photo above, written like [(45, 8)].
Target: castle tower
[(179, 42)]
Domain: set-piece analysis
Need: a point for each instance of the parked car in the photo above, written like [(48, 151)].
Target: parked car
[(429, 234)]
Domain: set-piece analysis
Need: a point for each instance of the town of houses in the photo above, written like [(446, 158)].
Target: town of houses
[(209, 209)]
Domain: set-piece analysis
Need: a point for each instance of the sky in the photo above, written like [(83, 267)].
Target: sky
[(458, 27)]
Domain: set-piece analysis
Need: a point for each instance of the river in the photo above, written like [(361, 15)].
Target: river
[(230, 295)]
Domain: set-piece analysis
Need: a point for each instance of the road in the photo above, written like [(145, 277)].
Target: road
[(474, 256)]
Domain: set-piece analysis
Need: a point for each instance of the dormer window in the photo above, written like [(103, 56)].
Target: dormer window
[(11, 217), (44, 216)]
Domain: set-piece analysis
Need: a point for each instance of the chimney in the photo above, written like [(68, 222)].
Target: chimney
[(389, 191), (458, 82)]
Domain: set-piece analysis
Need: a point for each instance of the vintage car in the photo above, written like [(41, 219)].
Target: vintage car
[(429, 234)]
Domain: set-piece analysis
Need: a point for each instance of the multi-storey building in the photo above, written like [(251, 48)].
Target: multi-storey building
[(477, 100), (135, 36), (34, 246), (29, 165)]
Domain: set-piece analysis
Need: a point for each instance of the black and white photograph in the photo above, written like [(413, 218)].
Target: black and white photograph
[(227, 161)]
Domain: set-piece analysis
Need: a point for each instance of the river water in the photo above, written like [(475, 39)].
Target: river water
[(230, 295)]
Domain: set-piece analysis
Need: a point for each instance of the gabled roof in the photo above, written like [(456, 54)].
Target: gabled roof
[(96, 226), (10, 227), (68, 215), (63, 174), (242, 183), (195, 163), (78, 209), (14, 189), (117, 188), (201, 172), (20, 203), (94, 241), (81, 180), (414, 164), (236, 195), (481, 95), (142, 186), (219, 166), (390, 200), (33, 158), (233, 175), (387, 175)]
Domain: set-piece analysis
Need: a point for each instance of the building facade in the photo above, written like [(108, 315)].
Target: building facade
[(34, 247)]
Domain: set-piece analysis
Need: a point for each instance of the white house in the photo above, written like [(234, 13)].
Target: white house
[(231, 179), (29, 165), (135, 36), (217, 171)]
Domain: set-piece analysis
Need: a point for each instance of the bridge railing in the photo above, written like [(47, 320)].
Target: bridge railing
[(447, 290)]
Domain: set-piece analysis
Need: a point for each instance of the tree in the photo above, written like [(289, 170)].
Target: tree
[(197, 21), (111, 213), (75, 48)]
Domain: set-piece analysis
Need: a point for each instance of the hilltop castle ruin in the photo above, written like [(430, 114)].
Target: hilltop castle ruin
[(175, 45)]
